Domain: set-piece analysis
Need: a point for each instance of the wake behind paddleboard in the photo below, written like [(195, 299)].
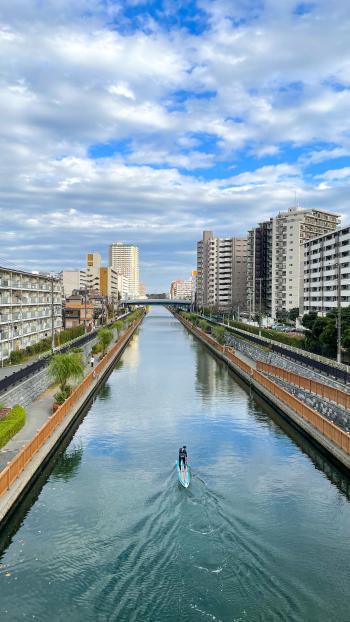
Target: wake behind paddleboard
[(183, 475)]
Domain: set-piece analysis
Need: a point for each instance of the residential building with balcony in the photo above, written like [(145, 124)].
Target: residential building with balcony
[(30, 306), (182, 289), (124, 258), (78, 309), (326, 272), (274, 272), (221, 272)]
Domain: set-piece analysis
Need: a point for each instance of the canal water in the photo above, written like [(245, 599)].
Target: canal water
[(262, 534)]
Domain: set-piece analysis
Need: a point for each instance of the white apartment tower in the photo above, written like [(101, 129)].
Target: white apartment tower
[(326, 270), (275, 254), (290, 230), (221, 272), (124, 258)]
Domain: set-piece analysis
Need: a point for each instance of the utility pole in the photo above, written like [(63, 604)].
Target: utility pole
[(339, 311), (260, 279), (85, 309), (52, 318)]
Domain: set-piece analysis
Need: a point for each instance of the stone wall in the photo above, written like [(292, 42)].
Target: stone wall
[(329, 410), (27, 391), (261, 354)]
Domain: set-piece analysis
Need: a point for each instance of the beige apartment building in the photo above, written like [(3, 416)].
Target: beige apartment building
[(124, 258), (72, 280), (275, 254), (221, 272), (104, 279), (30, 307)]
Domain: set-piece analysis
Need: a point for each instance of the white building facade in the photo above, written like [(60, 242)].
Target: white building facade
[(124, 258), (182, 289), (30, 308), (326, 272), (290, 230), (275, 254), (221, 272)]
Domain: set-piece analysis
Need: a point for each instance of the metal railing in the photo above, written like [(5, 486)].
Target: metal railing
[(18, 464), (329, 393), (15, 377)]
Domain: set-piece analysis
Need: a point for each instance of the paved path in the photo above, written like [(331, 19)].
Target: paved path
[(36, 414)]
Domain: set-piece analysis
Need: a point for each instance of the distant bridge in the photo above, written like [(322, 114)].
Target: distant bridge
[(166, 302)]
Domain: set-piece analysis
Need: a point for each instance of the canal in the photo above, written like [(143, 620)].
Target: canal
[(262, 534)]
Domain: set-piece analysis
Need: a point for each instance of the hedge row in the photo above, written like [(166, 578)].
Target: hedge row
[(19, 356), (12, 423), (289, 340), (296, 342)]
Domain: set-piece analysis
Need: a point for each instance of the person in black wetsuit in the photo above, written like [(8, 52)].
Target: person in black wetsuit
[(182, 457)]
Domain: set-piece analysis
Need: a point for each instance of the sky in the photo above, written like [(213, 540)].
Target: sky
[(147, 122)]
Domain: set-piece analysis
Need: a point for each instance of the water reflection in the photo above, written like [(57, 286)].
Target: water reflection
[(259, 535), (69, 464)]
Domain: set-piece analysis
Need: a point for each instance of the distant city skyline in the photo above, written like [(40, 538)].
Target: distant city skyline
[(149, 122)]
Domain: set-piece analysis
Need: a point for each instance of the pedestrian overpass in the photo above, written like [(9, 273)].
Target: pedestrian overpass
[(166, 302)]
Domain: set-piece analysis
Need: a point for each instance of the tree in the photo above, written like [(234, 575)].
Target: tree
[(219, 334), (282, 316), (203, 325), (105, 336), (321, 337), (62, 368), (293, 314), (309, 320)]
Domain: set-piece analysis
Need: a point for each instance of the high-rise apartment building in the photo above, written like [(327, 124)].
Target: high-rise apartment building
[(259, 261), (326, 270), (124, 258), (221, 272), (30, 308), (274, 257)]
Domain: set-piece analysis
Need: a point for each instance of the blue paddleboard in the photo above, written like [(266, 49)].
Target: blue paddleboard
[(184, 475)]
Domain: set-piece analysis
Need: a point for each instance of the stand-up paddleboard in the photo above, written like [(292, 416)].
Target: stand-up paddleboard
[(183, 475)]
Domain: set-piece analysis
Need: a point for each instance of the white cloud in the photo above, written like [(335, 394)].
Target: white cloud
[(78, 75)]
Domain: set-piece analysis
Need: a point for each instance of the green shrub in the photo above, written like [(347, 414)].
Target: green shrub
[(62, 395), (289, 340), (17, 356), (96, 348), (218, 333), (12, 423), (105, 336), (203, 325), (64, 367), (118, 325)]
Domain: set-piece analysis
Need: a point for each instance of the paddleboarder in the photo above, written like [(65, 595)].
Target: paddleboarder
[(182, 457)]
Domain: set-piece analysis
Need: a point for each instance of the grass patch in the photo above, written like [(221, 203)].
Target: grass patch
[(12, 423)]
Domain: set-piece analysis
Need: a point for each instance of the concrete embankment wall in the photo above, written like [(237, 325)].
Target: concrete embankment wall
[(17, 477), (324, 442), (27, 391)]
